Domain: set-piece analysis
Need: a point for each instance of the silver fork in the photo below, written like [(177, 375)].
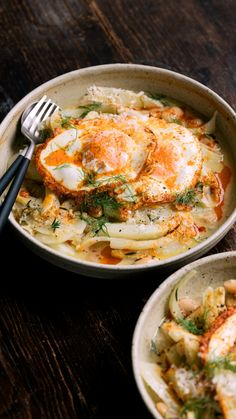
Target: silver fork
[(32, 117)]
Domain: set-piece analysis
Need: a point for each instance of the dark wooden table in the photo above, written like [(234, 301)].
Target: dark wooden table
[(65, 340)]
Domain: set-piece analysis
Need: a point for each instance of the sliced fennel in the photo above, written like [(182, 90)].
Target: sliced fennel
[(173, 301)]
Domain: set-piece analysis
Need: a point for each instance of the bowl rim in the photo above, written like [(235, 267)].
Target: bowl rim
[(207, 243), (152, 301)]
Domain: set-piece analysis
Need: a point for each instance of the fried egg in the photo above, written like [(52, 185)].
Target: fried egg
[(225, 382), (154, 158), (220, 339), (173, 164)]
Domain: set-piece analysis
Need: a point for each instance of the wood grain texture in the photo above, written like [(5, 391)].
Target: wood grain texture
[(65, 340)]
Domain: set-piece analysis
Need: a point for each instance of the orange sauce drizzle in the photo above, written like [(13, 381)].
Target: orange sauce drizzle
[(201, 229), (107, 257), (224, 178)]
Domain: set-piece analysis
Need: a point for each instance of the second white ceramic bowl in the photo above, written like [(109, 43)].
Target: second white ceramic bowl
[(211, 271)]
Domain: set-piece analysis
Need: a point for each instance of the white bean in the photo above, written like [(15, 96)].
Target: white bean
[(187, 305), (230, 286)]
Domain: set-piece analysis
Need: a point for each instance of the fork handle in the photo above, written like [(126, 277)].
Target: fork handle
[(9, 200), (9, 174)]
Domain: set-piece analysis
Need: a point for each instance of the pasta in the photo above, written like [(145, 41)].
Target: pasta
[(132, 176)]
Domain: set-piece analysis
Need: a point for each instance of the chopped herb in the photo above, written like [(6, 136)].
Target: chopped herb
[(153, 218), (156, 96), (200, 405), (187, 198), (101, 199), (153, 347), (88, 108), (176, 121), (113, 179), (55, 224), (161, 98), (45, 133), (108, 205), (96, 224), (62, 166), (149, 217), (28, 204), (219, 363), (176, 294), (65, 122), (190, 326), (130, 197), (90, 179), (130, 253)]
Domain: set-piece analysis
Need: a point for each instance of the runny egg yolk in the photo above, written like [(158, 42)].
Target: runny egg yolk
[(58, 157), (107, 151)]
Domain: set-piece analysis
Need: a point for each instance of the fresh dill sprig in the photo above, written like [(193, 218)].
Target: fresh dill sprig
[(45, 133), (176, 294), (62, 166), (199, 405), (190, 326), (90, 179), (113, 179), (96, 224), (55, 224), (221, 362), (161, 98), (190, 196), (88, 108), (176, 121), (103, 200), (65, 122), (152, 218), (187, 198), (165, 100), (130, 197)]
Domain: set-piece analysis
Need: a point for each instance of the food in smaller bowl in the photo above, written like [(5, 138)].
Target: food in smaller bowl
[(125, 178), (194, 370)]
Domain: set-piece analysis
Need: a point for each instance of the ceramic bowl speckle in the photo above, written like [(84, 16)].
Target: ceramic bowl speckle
[(212, 271), (66, 89)]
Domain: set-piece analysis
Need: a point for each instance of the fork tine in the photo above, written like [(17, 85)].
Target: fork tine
[(34, 111), (39, 116), (52, 109)]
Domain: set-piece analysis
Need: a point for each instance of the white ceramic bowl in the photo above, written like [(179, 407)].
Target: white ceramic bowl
[(212, 271), (66, 89)]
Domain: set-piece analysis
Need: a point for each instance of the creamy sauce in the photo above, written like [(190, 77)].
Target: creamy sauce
[(224, 178), (107, 257)]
